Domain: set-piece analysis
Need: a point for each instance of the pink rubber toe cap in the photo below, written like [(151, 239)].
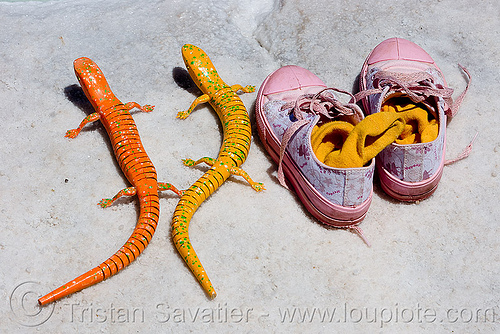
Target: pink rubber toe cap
[(398, 49), (289, 78)]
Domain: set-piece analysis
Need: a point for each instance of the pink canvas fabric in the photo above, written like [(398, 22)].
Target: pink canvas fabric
[(335, 196), (398, 67)]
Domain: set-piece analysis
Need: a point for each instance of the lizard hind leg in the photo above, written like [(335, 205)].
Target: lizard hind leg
[(162, 186), (257, 186), (192, 163), (105, 202), (246, 89), (144, 108)]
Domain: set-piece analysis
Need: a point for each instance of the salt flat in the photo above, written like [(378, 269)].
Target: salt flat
[(433, 266)]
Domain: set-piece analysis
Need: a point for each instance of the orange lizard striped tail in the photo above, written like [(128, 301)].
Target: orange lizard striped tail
[(138, 241)]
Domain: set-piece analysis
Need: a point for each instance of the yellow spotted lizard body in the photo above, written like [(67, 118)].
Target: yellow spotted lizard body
[(233, 152)]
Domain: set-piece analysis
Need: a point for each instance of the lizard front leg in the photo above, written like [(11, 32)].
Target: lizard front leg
[(89, 119), (199, 100)]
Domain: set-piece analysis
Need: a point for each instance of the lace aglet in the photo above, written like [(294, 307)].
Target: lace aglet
[(359, 232), (465, 153)]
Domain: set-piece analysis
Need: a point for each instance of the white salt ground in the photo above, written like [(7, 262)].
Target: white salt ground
[(433, 266)]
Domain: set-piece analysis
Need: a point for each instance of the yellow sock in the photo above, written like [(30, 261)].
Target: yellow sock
[(329, 137), (343, 145), (418, 128)]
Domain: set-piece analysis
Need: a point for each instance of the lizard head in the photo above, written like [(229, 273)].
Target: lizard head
[(93, 83), (201, 69)]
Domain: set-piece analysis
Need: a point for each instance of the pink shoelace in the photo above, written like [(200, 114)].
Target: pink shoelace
[(323, 103), (418, 87)]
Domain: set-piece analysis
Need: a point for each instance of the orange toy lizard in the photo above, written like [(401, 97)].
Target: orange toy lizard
[(136, 166)]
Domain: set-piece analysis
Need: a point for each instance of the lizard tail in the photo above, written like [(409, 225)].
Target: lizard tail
[(135, 245), (187, 206)]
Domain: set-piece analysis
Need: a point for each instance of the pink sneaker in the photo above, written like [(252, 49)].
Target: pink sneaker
[(289, 104), (399, 68)]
